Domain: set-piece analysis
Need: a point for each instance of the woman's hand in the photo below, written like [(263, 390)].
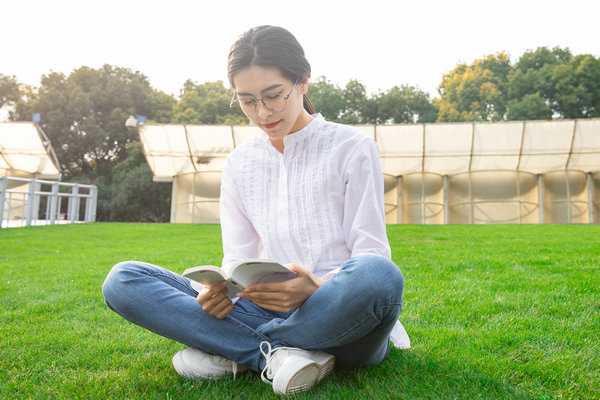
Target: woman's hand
[(284, 296), (214, 300)]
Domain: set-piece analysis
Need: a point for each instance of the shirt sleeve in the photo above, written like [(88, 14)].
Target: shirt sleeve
[(364, 210), (240, 239)]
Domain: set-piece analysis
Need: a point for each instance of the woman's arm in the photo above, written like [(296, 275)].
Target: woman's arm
[(364, 209), (240, 240)]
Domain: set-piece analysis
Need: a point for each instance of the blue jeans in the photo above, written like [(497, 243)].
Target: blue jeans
[(350, 316)]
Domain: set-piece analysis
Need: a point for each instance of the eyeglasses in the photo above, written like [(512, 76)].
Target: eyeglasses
[(274, 102)]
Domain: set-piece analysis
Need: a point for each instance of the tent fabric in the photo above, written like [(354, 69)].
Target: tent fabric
[(445, 149), (505, 172), (26, 151)]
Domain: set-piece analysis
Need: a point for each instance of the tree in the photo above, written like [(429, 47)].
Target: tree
[(327, 98), (531, 90), (84, 115), (577, 87), (355, 96), (122, 200), (475, 92), (9, 90), (553, 83), (530, 107), (405, 104), (206, 103)]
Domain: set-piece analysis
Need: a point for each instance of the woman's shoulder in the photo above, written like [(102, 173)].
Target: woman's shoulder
[(252, 148), (346, 136)]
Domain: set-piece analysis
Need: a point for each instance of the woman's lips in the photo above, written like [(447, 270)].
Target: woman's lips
[(271, 125)]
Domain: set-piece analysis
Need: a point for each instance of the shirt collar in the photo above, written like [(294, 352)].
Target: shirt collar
[(303, 134)]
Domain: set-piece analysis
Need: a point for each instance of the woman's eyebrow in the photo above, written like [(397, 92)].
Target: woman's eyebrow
[(262, 91)]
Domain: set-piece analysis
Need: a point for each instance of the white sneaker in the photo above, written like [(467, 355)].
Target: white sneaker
[(194, 364), (290, 370)]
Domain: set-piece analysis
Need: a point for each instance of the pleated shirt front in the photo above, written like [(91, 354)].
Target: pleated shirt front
[(317, 204)]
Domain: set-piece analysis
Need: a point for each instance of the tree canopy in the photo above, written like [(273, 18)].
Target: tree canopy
[(542, 84), (9, 90)]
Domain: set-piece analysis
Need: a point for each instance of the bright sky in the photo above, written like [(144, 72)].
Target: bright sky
[(380, 43)]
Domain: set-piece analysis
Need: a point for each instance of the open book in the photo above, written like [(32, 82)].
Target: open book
[(243, 274)]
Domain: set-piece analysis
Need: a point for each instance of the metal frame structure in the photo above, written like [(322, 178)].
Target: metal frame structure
[(30, 202)]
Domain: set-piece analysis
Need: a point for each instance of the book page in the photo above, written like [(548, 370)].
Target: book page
[(251, 272), (205, 274)]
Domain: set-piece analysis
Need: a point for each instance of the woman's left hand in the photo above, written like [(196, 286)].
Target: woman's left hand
[(284, 296)]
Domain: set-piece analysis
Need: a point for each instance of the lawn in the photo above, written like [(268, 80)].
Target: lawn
[(493, 311)]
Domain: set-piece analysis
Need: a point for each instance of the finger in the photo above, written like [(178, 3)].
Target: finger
[(219, 310), (268, 287), (299, 269), (275, 307), (210, 291), (216, 305), (271, 297), (223, 312)]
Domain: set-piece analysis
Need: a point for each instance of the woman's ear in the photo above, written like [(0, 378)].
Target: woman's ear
[(304, 85)]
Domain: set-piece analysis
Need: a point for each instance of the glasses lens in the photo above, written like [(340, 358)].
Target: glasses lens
[(276, 104), (247, 106)]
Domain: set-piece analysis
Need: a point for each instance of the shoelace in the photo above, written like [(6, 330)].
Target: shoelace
[(217, 360), (267, 371), (234, 368)]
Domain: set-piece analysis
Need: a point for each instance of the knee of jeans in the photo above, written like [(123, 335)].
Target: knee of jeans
[(385, 273), (113, 288)]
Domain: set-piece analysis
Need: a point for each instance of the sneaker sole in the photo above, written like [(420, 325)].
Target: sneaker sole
[(326, 363), (185, 372), (303, 373)]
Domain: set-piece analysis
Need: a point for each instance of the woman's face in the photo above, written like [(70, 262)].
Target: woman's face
[(255, 83)]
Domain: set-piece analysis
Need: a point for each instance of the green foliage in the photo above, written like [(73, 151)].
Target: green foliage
[(352, 105), (475, 92), (327, 98), (542, 84), (132, 195), (9, 90), (577, 87), (405, 104), (206, 103), (530, 107), (493, 312)]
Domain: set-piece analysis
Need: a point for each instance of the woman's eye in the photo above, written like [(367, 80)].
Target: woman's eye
[(248, 102), (273, 96)]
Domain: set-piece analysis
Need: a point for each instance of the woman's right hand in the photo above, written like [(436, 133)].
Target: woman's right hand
[(214, 300)]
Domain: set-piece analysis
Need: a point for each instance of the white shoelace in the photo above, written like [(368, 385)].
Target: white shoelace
[(267, 372), (234, 368), (218, 360)]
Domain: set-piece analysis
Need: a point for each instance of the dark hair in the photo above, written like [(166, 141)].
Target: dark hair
[(270, 46)]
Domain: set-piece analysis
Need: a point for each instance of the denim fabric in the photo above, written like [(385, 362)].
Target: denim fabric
[(350, 316)]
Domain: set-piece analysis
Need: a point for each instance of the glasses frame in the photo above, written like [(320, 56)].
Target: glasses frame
[(235, 99)]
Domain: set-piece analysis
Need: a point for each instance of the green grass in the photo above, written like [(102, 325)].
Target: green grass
[(494, 312)]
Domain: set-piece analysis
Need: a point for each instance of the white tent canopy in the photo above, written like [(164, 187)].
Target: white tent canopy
[(434, 173), (26, 151), (445, 149)]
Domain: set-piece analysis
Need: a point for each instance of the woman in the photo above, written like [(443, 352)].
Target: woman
[(307, 193)]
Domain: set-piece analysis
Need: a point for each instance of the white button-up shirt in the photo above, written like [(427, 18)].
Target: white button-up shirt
[(317, 204)]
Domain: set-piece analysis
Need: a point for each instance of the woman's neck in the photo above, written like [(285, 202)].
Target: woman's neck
[(303, 120)]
